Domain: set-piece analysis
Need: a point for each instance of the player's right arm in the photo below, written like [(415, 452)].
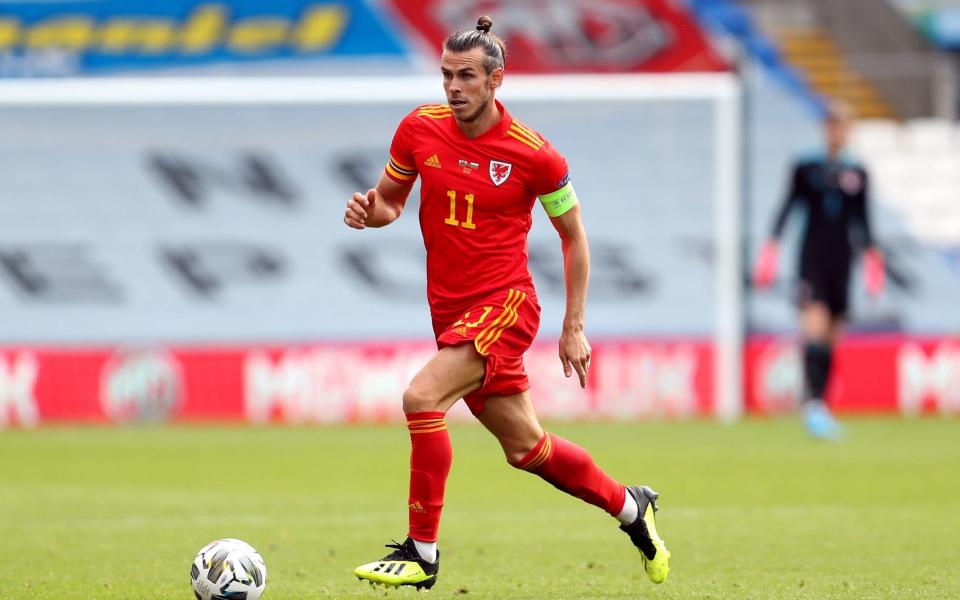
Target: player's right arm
[(766, 267), (792, 199), (379, 206)]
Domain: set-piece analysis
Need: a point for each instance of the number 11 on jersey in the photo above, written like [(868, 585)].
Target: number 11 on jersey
[(452, 219)]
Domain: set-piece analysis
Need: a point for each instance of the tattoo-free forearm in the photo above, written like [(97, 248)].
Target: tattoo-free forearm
[(576, 270), (384, 212)]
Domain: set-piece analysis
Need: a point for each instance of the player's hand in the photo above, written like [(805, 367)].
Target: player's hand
[(359, 209), (575, 354), (874, 271), (766, 269)]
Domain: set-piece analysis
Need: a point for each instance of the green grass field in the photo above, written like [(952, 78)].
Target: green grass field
[(753, 510)]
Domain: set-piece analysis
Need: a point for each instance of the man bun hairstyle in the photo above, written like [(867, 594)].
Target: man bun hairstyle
[(484, 24), (493, 46)]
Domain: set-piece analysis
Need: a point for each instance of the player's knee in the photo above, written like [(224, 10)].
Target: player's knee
[(417, 399), (518, 451), (515, 458)]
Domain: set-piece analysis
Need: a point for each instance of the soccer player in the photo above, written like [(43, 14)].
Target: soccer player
[(481, 172), (832, 190)]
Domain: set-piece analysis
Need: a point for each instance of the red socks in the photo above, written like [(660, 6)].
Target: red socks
[(430, 458), (569, 468), (563, 464)]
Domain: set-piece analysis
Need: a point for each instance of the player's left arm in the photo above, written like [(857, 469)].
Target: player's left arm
[(874, 268), (574, 348), (553, 186)]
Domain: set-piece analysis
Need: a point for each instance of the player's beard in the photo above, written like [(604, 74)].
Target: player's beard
[(476, 114)]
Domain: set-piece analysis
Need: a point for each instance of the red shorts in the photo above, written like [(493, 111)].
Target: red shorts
[(501, 328)]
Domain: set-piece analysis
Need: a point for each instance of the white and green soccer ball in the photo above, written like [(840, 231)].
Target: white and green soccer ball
[(228, 569)]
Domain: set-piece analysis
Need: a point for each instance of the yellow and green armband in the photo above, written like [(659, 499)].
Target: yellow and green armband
[(558, 202)]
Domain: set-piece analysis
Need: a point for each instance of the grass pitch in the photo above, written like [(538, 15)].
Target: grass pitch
[(753, 510)]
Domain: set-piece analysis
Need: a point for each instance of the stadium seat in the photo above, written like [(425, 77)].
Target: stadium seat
[(873, 136), (730, 17), (916, 173), (930, 136)]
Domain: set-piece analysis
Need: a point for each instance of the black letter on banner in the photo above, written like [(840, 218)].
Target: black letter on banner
[(193, 182), (207, 268), (613, 272), (57, 272), (359, 169), (395, 271)]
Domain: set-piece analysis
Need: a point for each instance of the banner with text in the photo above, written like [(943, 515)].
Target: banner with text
[(576, 36), (214, 224), (327, 383), (871, 374), (363, 382), (70, 37)]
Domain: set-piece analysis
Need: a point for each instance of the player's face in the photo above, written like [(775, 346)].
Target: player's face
[(468, 86), (837, 131)]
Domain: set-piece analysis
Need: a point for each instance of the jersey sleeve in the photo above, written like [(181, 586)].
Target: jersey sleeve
[(402, 167), (551, 181), (793, 197)]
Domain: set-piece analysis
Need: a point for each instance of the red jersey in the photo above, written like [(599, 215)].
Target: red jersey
[(476, 201)]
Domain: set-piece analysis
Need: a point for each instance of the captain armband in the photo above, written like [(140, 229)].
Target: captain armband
[(558, 202)]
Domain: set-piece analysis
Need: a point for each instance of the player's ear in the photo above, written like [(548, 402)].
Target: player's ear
[(496, 78)]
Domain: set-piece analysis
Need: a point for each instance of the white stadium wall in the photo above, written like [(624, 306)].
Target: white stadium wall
[(188, 260)]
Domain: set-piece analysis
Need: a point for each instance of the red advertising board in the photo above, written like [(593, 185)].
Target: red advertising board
[(363, 382), (579, 36), (870, 374), (326, 383)]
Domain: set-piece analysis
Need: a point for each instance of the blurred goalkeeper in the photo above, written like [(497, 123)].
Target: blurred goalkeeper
[(831, 189), (481, 172)]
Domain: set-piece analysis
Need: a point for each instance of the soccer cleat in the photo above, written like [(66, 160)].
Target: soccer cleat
[(643, 534), (403, 566), (820, 422)]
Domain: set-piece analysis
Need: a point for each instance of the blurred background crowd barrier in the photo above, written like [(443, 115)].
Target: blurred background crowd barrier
[(174, 174)]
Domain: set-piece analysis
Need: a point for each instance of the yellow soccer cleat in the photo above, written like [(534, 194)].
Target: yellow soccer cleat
[(643, 534), (403, 566)]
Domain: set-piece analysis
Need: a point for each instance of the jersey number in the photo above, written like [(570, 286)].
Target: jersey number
[(486, 311), (452, 219)]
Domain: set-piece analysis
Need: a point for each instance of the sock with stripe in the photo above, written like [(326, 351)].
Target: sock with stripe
[(569, 468), (430, 458)]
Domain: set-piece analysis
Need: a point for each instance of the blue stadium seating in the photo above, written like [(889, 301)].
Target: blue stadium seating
[(727, 17)]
